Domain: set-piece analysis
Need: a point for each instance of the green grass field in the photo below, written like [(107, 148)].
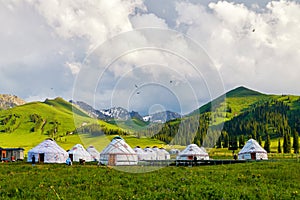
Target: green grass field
[(253, 180)]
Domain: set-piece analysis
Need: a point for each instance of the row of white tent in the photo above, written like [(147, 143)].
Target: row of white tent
[(152, 153), (49, 151), (118, 152)]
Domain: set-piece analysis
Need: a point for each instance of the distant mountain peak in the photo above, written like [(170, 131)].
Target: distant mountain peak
[(162, 117), (242, 91), (9, 101)]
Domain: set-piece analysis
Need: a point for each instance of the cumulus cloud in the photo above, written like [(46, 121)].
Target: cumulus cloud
[(252, 46), (94, 20), (148, 21), (47, 47)]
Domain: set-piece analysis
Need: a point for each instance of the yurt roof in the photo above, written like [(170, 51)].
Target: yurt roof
[(118, 146), (194, 150), (78, 149), (252, 146), (47, 146), (139, 150), (164, 150), (92, 149)]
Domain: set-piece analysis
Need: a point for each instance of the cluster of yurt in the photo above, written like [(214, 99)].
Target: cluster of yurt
[(118, 152), (154, 153), (193, 152), (49, 151), (252, 151)]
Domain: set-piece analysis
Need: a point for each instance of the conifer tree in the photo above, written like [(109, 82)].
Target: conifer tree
[(296, 142), (267, 145), (279, 146), (226, 140), (260, 140), (241, 141), (286, 143)]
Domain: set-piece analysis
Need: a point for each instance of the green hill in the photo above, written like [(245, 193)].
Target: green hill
[(242, 111), (29, 124)]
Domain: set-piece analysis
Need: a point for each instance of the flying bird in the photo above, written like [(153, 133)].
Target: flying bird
[(253, 30)]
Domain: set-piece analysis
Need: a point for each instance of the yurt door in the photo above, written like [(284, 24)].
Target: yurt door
[(41, 157), (253, 156), (71, 157), (112, 160)]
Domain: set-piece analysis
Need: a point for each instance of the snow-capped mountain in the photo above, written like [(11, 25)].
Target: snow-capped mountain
[(116, 113), (119, 113), (161, 117), (89, 109)]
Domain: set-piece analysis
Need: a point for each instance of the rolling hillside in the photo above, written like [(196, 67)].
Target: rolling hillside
[(242, 112), (29, 124)]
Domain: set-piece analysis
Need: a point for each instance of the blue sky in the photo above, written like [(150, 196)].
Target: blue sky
[(199, 50)]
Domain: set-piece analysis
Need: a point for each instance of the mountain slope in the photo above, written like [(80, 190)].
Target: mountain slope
[(244, 111), (233, 102), (35, 121), (29, 124)]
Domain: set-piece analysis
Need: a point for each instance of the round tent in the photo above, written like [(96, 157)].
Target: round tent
[(252, 151), (150, 154), (161, 153), (141, 154), (48, 152), (118, 152), (78, 152), (192, 152), (166, 154), (93, 152)]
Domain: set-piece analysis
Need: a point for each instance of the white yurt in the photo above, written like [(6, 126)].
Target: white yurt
[(150, 154), (141, 154), (166, 154), (93, 152), (160, 155), (192, 152), (118, 152), (78, 152), (48, 152), (252, 151)]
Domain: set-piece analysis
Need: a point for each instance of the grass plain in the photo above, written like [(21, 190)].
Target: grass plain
[(252, 180)]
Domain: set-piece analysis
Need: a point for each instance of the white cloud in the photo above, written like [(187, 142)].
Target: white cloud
[(255, 47), (94, 20), (44, 44), (148, 21)]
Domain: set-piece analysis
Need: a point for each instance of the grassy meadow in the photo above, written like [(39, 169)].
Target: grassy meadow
[(252, 180)]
